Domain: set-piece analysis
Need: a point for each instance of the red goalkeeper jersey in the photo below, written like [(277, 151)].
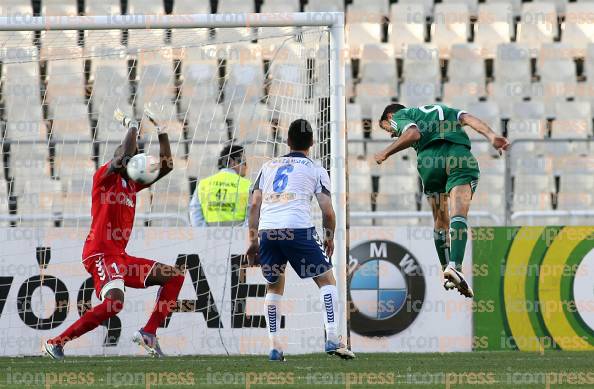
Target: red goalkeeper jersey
[(112, 211)]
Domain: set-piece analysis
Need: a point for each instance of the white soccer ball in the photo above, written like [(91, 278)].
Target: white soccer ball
[(143, 168)]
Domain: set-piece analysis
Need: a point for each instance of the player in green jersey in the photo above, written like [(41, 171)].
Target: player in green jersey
[(449, 172)]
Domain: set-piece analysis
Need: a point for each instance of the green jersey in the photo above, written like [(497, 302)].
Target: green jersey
[(435, 122)]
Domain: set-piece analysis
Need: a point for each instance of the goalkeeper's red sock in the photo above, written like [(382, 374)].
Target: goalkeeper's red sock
[(89, 321), (166, 301)]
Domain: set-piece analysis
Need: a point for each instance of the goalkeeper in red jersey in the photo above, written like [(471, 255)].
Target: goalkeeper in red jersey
[(449, 172), (104, 255)]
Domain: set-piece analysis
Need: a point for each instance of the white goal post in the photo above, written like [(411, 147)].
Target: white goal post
[(332, 21)]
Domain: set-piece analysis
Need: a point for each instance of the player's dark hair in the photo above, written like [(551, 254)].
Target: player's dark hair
[(230, 152), (300, 135), (391, 108)]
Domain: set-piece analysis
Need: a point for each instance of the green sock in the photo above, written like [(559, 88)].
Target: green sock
[(441, 245), (458, 237)]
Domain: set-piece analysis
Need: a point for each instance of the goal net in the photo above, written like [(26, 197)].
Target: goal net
[(210, 88)]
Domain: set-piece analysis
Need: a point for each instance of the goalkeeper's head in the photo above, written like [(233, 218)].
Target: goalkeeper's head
[(232, 157), (300, 135), (386, 117)]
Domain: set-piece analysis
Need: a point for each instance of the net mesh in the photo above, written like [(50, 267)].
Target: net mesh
[(210, 88)]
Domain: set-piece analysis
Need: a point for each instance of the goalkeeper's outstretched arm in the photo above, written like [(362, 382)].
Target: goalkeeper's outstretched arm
[(499, 142), (164, 147), (129, 146)]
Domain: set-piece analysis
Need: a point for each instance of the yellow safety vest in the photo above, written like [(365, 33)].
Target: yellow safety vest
[(224, 197)]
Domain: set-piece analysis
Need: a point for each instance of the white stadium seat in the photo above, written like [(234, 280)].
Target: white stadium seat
[(407, 26), (451, 25), (578, 32), (358, 34), (494, 27), (538, 24)]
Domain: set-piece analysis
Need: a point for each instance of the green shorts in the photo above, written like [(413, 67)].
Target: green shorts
[(444, 165)]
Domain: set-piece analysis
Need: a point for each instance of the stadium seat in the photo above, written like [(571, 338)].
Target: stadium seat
[(397, 193), (188, 7), (576, 183), (487, 111), (516, 5), (427, 5), (494, 27), (175, 183), (573, 164), (206, 122), (374, 94), (371, 6), (359, 192), (354, 122), (512, 63), (105, 7), (560, 5), (557, 72), (35, 198), (155, 78), (466, 64), (471, 4), (244, 82), (145, 39), (252, 122), (74, 204), (491, 202), (28, 159), (466, 73), (527, 122), (421, 63), (110, 87), (59, 8), (143, 205), (537, 166), (200, 79), (280, 6), (490, 165), (356, 149), (70, 122), (538, 25), (534, 183), (512, 77), (451, 25), (589, 72), (572, 202), (203, 157), (401, 164), (360, 34), (407, 26), (573, 120), (577, 31), (65, 77), (235, 6), (417, 93), (377, 64), (324, 6)]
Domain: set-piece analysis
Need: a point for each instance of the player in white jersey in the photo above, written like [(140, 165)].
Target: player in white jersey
[(280, 216)]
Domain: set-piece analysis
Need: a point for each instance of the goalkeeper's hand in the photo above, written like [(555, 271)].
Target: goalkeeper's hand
[(152, 118), (121, 117)]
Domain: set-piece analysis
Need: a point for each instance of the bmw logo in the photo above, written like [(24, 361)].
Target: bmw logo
[(384, 281)]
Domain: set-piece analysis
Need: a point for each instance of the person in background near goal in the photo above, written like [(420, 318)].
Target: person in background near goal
[(448, 171), (280, 215), (222, 199), (104, 256)]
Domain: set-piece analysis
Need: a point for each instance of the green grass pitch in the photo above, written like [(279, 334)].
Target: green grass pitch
[(452, 370)]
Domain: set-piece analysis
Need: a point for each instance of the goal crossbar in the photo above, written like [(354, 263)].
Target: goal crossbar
[(19, 22)]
